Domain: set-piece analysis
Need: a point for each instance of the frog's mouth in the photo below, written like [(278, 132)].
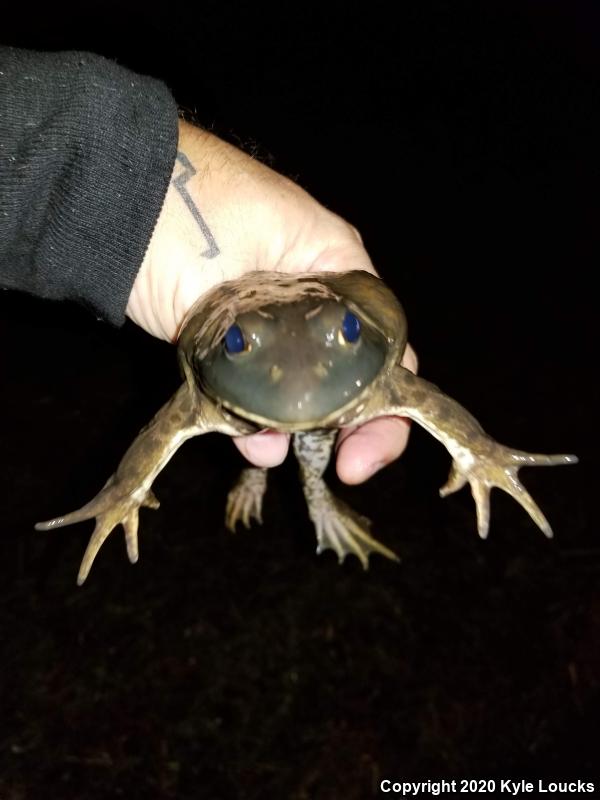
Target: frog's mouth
[(306, 417)]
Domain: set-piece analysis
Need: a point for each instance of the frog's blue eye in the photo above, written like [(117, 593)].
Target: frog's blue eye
[(234, 340), (351, 327)]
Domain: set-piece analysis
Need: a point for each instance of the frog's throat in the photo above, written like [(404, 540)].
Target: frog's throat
[(341, 417)]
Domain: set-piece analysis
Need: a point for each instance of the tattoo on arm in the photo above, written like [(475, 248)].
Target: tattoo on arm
[(179, 183)]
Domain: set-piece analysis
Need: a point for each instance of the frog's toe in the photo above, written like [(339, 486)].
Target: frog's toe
[(151, 500), (244, 501), (456, 480), (96, 506), (126, 514), (515, 488), (99, 536), (130, 526), (523, 459)]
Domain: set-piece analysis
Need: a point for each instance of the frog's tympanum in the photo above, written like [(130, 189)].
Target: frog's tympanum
[(307, 354)]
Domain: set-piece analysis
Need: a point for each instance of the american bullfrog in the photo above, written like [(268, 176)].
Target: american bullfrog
[(306, 354)]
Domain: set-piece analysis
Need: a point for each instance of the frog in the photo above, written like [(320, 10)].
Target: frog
[(305, 354)]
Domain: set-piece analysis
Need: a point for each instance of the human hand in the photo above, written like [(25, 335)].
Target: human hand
[(226, 214)]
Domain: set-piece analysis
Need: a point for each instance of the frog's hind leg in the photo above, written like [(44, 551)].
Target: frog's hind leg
[(338, 527), (245, 499)]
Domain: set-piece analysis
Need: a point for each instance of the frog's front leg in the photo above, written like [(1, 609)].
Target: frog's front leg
[(477, 458), (128, 489), (338, 527)]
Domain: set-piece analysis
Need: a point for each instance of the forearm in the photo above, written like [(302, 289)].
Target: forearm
[(87, 152)]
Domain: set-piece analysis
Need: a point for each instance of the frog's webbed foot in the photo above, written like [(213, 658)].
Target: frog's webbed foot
[(129, 488), (245, 499), (343, 530), (110, 508), (499, 467), (477, 458), (337, 526)]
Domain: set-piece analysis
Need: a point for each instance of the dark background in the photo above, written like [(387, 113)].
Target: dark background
[(461, 139)]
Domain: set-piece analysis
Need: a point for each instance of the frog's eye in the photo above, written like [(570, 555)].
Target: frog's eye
[(351, 327), (234, 340)]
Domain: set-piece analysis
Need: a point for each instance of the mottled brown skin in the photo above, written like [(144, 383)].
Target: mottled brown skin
[(294, 305)]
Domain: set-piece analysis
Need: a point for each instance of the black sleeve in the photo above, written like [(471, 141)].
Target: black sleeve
[(87, 149)]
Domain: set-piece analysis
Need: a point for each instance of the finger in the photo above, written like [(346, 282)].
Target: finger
[(362, 451), (264, 449), (410, 360)]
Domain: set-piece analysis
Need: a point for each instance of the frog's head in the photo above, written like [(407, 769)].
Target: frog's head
[(293, 357), (296, 362)]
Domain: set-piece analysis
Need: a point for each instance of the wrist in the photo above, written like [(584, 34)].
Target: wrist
[(207, 230)]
